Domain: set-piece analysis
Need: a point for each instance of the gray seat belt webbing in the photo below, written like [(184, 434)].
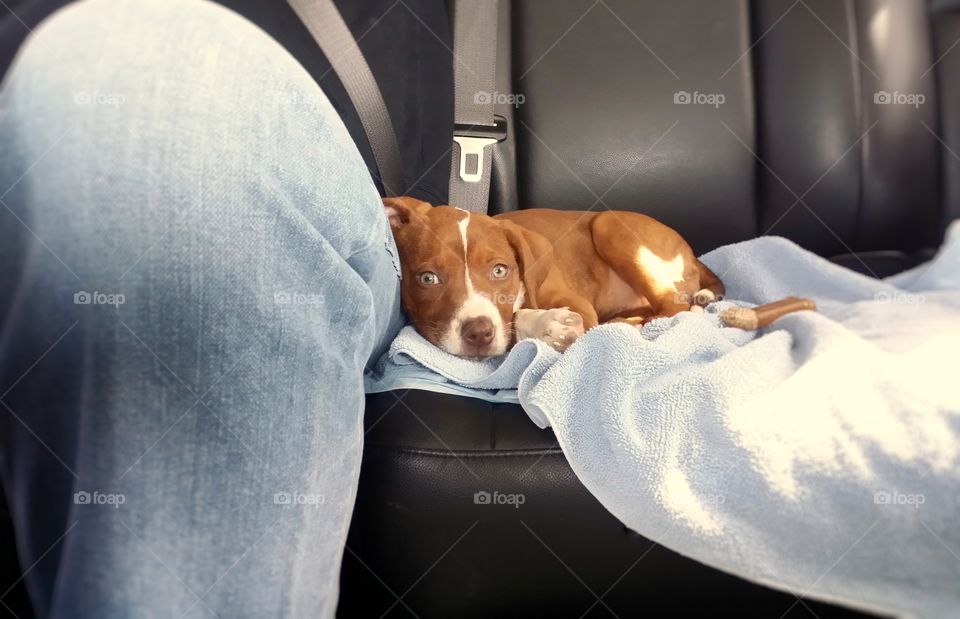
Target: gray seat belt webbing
[(331, 33), (477, 127)]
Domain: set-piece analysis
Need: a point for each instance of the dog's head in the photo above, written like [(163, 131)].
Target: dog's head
[(465, 274)]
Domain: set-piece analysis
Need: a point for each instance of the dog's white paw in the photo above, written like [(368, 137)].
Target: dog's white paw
[(558, 328), (564, 328)]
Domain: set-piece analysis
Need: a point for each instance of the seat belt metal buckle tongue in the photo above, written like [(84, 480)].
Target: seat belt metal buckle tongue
[(473, 140)]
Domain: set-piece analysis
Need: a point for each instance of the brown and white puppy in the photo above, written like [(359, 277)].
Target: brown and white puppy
[(473, 284)]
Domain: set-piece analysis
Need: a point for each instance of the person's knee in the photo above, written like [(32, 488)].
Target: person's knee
[(166, 104), (158, 68), (95, 54)]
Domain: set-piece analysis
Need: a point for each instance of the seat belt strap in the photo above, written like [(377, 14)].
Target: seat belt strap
[(477, 127), (326, 26)]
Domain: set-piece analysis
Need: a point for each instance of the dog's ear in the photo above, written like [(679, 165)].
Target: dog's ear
[(399, 210), (532, 251)]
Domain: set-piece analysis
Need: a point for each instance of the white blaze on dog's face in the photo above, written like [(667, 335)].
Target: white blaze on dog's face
[(462, 278)]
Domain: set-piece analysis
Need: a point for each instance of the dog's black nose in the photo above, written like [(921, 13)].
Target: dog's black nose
[(477, 331)]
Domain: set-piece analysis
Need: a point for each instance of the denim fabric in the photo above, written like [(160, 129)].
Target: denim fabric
[(194, 272)]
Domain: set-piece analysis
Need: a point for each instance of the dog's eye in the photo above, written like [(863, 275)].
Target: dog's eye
[(500, 271), (429, 278)]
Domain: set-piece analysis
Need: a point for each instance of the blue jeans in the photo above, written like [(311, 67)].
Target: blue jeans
[(195, 269)]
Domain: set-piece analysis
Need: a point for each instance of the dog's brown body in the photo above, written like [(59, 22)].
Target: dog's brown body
[(616, 265)]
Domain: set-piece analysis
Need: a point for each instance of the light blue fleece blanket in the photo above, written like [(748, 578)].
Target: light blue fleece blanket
[(820, 456)]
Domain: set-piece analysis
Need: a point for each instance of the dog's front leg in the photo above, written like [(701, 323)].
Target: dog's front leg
[(558, 328)]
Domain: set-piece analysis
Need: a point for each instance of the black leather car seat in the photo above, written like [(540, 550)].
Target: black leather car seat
[(799, 148)]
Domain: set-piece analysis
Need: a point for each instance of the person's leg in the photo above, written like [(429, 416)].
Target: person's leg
[(195, 269)]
